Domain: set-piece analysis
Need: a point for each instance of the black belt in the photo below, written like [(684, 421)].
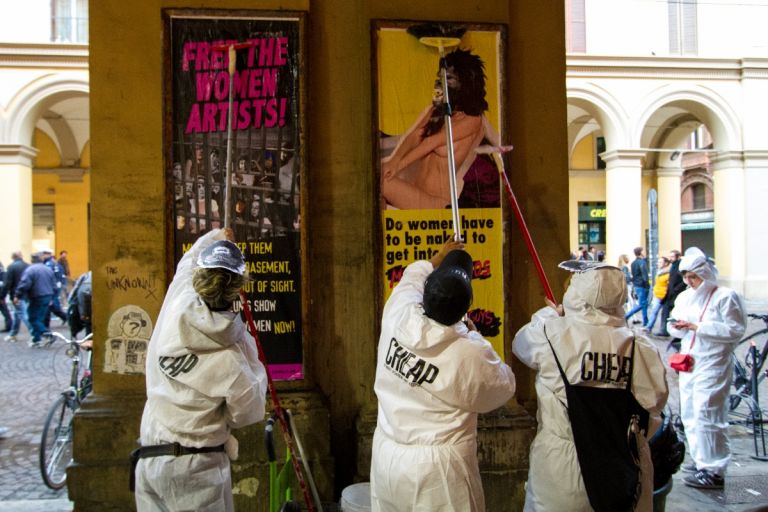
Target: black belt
[(160, 450)]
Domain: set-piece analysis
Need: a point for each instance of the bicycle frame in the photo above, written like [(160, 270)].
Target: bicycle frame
[(56, 438), (747, 378)]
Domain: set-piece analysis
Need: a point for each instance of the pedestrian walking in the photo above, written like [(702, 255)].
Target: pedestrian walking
[(659, 291), (37, 286), (12, 278), (675, 287), (640, 285), (3, 306), (59, 282)]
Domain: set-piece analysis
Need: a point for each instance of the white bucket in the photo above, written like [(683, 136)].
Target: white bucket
[(356, 498)]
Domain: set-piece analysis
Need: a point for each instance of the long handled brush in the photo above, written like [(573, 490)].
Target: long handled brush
[(442, 36), (279, 411)]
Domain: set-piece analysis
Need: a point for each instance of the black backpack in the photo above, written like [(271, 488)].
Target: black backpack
[(605, 423)]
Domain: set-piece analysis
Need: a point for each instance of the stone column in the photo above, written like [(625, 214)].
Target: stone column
[(668, 188), (16, 199), (624, 202), (755, 225), (730, 232)]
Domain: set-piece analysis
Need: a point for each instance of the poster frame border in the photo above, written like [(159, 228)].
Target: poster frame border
[(168, 15)]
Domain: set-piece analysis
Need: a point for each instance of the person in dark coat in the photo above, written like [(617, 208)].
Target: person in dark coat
[(12, 277), (640, 285), (38, 286), (675, 286)]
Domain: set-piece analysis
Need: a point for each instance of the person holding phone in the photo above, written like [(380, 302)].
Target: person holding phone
[(710, 320)]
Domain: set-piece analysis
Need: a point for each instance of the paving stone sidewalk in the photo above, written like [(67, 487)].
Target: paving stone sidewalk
[(30, 381)]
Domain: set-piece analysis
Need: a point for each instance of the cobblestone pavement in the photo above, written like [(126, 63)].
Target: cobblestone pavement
[(30, 381)]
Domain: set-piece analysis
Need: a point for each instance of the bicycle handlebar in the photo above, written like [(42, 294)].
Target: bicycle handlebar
[(54, 334), (764, 318)]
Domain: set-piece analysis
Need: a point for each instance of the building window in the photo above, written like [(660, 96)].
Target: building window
[(43, 227), (69, 21), (683, 38), (576, 26), (699, 192)]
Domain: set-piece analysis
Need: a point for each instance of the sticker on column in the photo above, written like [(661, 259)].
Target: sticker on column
[(129, 330)]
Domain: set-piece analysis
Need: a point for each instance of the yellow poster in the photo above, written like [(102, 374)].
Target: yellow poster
[(414, 119)]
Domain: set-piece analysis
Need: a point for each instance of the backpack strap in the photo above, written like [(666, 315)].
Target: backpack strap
[(559, 366), (631, 366)]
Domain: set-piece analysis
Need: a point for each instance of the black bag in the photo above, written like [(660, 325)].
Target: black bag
[(73, 319), (604, 423), (667, 452)]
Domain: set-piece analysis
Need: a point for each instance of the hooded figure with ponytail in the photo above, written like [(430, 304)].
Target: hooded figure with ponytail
[(585, 345), (710, 320)]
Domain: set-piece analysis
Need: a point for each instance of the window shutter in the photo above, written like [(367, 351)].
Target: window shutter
[(674, 27), (690, 28), (578, 39)]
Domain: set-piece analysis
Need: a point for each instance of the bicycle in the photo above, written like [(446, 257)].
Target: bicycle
[(744, 375), (56, 440), (746, 381)]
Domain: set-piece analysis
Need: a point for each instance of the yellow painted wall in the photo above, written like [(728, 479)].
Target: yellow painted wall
[(70, 200), (47, 152), (583, 156), (85, 156)]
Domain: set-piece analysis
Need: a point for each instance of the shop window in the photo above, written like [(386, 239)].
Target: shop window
[(591, 233), (69, 21)]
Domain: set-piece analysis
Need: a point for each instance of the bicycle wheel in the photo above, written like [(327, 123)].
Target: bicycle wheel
[(56, 443)]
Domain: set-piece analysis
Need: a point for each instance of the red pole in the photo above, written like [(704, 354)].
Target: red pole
[(276, 403), (527, 237)]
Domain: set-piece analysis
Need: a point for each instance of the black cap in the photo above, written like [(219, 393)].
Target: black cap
[(448, 289)]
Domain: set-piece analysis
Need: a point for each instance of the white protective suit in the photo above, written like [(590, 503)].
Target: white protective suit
[(592, 342), (204, 377), (431, 381), (704, 391)]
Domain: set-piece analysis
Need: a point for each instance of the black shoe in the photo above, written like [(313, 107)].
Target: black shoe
[(704, 480), (636, 322), (688, 468), (661, 334)]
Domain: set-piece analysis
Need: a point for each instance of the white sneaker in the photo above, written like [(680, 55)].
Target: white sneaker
[(3, 432), (10, 338)]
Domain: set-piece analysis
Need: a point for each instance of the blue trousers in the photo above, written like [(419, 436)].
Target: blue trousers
[(655, 308), (642, 304), (38, 308), (19, 316)]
